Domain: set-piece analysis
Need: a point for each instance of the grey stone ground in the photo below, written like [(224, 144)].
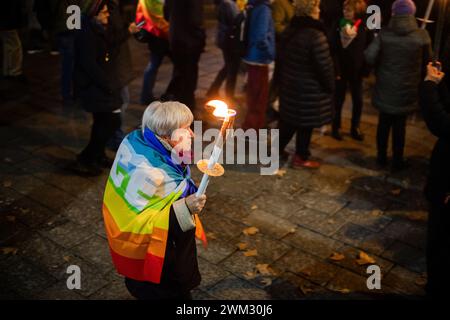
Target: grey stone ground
[(51, 219)]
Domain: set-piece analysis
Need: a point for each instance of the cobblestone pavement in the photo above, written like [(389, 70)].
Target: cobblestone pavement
[(51, 219)]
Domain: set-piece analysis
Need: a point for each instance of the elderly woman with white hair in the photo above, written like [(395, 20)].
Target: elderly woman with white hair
[(150, 208)]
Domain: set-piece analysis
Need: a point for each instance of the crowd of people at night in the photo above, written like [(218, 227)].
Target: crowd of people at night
[(319, 49)]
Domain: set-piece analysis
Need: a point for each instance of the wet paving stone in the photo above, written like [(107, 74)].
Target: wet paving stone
[(233, 288), (406, 256)]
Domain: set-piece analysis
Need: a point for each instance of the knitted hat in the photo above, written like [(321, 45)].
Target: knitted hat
[(92, 7), (403, 7), (305, 7)]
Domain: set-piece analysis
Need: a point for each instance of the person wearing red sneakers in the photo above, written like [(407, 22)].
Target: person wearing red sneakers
[(306, 81)]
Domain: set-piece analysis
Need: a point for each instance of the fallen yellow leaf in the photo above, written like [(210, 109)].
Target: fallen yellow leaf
[(251, 253), (254, 207), (337, 256), (250, 231), (263, 268), (364, 259), (66, 258), (280, 172), (8, 250), (241, 246), (210, 236), (250, 274), (266, 282), (377, 213)]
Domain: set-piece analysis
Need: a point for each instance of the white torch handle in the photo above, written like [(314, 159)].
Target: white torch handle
[(203, 184)]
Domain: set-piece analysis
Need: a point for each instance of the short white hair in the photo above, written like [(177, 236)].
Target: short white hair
[(163, 118)]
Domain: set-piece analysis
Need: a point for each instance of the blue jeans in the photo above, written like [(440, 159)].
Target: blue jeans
[(150, 74), (66, 47)]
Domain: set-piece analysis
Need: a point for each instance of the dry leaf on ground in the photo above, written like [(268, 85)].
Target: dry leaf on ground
[(250, 231), (8, 250), (305, 289), (377, 213), (337, 256), (364, 259), (251, 253), (396, 192), (210, 236), (254, 207), (266, 282), (241, 246), (280, 172), (263, 268)]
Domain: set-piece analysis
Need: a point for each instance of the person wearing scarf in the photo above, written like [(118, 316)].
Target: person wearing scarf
[(150, 208)]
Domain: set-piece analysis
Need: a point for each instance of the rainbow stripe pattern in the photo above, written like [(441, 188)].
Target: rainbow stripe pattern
[(142, 186), (152, 12)]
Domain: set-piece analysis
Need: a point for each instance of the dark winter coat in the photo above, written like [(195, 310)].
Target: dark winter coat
[(435, 105), (186, 31), (400, 54), (350, 62), (12, 15), (261, 33), (306, 75), (96, 72), (227, 10)]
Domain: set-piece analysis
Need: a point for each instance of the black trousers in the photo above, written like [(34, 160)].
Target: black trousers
[(438, 249), (142, 290), (183, 84), (228, 72), (104, 126), (398, 125), (356, 91), (303, 138)]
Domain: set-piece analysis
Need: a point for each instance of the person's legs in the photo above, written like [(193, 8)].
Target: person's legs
[(398, 140), (357, 100), (384, 127), (303, 141), (286, 133), (341, 89), (12, 53), (232, 63), (67, 51), (213, 90), (150, 73), (257, 96), (190, 77)]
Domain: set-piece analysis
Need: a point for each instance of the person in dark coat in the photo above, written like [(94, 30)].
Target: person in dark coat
[(187, 40), (306, 81), (400, 54), (97, 83), (12, 18), (227, 11), (435, 105), (349, 41)]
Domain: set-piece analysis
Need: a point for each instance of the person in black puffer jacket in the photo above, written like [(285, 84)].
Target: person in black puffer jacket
[(400, 54), (97, 83), (306, 81), (435, 105)]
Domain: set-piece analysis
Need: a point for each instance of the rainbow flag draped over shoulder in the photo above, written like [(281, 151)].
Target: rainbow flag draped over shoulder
[(152, 12), (142, 186)]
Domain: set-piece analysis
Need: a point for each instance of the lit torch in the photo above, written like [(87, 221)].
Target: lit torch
[(211, 167)]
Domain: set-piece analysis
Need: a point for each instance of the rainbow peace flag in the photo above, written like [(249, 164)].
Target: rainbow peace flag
[(151, 11), (143, 184)]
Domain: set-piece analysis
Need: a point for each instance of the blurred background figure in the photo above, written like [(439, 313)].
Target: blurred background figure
[(397, 78), (154, 33), (435, 105), (12, 18), (306, 81), (260, 54), (187, 39), (282, 13), (348, 44), (227, 11), (97, 83)]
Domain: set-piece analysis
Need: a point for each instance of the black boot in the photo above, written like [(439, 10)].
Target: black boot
[(336, 134), (356, 134), (382, 160)]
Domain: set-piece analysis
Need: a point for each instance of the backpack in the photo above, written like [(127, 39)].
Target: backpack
[(238, 35)]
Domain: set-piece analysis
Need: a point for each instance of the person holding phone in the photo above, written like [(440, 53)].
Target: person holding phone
[(435, 105)]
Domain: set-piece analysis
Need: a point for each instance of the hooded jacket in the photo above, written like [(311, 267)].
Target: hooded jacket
[(261, 33), (400, 54)]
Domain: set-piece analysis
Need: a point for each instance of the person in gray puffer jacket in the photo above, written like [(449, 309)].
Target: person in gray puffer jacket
[(400, 54)]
